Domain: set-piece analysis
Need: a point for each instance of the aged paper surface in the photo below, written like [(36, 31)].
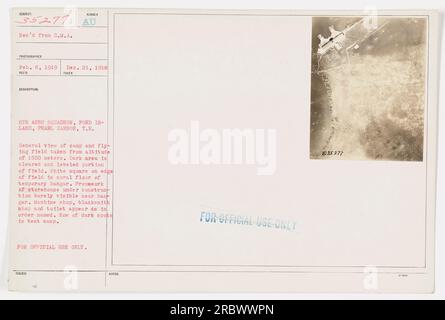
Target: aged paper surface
[(223, 151)]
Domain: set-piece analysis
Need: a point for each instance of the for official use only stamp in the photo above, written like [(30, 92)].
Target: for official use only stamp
[(263, 222)]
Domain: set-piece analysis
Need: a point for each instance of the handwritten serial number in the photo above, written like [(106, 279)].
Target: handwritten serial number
[(332, 153), (44, 20)]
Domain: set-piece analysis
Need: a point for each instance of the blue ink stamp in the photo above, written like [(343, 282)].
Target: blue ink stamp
[(212, 217)]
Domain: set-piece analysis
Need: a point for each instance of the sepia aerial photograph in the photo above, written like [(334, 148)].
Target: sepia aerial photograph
[(368, 88)]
